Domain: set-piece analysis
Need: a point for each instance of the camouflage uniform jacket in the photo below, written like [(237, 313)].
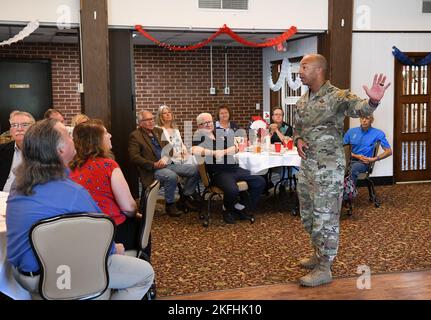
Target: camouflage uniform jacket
[(319, 121)]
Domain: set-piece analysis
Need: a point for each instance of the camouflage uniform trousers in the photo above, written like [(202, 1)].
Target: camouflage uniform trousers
[(320, 192)]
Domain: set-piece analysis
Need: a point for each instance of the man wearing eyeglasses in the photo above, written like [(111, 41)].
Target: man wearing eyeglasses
[(217, 154), (152, 156), (10, 153)]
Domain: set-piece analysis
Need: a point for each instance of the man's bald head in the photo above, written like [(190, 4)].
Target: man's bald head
[(317, 60), (312, 71)]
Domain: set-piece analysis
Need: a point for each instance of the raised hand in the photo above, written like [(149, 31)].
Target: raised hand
[(378, 89)]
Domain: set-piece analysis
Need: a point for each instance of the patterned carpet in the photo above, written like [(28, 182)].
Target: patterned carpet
[(189, 258)]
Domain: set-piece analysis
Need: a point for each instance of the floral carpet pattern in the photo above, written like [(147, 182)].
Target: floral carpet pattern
[(189, 258)]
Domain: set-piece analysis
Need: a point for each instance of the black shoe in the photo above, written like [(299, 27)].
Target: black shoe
[(190, 203), (242, 215), (229, 218), (171, 210)]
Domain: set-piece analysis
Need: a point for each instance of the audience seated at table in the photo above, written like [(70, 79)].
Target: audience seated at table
[(11, 152), (279, 129), (224, 122), (280, 132), (223, 170), (43, 190), (153, 157), (93, 168)]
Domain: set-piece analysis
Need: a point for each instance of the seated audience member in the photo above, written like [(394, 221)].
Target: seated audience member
[(165, 120), (54, 114), (43, 191), (223, 121), (152, 156), (93, 169), (79, 118), (279, 129), (223, 171), (11, 152), (363, 139), (57, 115)]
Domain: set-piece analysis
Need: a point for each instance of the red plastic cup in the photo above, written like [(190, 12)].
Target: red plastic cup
[(277, 146), (290, 145)]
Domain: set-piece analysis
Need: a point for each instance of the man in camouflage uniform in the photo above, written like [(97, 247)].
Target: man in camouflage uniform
[(319, 119)]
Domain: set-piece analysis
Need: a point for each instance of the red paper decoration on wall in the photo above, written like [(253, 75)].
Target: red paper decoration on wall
[(225, 29)]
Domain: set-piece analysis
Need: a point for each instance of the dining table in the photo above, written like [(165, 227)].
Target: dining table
[(8, 285), (260, 162)]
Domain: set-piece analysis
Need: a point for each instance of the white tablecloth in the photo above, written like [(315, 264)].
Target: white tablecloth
[(258, 163), (8, 285)]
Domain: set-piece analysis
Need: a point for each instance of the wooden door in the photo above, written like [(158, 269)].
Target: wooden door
[(275, 96), (412, 136)]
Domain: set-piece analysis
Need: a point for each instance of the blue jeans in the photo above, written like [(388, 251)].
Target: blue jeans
[(358, 167), (168, 177)]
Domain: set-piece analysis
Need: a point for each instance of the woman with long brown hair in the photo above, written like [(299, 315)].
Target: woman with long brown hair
[(94, 169)]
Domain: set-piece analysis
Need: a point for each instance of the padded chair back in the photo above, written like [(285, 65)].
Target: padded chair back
[(149, 207), (72, 251)]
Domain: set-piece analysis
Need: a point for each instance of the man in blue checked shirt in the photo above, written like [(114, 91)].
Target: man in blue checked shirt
[(363, 139)]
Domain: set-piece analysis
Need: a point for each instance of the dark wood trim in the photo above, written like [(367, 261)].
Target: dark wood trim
[(95, 59), (399, 136), (275, 96), (336, 44), (123, 108)]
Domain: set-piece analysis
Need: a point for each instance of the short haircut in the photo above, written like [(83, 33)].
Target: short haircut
[(321, 61), (21, 113), (200, 117), (141, 114), (51, 111), (278, 108)]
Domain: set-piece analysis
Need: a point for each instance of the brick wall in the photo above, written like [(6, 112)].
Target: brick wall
[(179, 79), (65, 71), (182, 81)]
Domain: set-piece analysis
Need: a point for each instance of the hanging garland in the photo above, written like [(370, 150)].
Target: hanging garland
[(25, 32), (404, 59), (225, 29), (286, 72)]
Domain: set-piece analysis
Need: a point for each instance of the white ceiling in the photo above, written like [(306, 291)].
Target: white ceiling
[(173, 37)]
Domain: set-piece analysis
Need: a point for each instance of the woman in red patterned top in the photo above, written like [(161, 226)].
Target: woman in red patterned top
[(93, 168)]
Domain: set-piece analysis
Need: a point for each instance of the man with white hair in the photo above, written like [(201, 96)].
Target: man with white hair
[(223, 170), (10, 153)]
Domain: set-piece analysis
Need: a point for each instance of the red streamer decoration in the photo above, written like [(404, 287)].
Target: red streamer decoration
[(225, 29)]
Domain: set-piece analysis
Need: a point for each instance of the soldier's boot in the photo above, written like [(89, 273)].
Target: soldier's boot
[(309, 263), (321, 274)]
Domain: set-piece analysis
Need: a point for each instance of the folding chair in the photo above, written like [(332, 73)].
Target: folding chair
[(72, 251), (147, 208), (366, 177), (212, 191)]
